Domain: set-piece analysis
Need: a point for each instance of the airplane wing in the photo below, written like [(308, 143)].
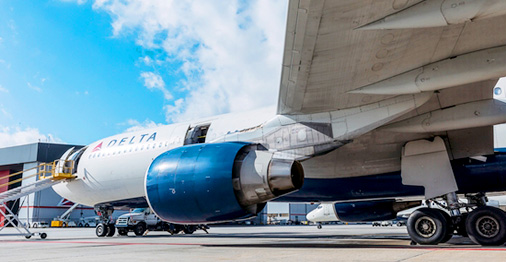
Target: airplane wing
[(334, 47)]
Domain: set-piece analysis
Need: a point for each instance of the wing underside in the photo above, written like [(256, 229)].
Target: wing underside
[(336, 52), (327, 55)]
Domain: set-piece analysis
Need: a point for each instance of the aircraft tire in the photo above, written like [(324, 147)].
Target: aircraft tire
[(486, 226), (450, 228), (427, 226), (139, 229), (111, 230), (101, 230)]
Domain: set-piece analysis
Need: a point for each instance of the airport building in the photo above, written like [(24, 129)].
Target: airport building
[(42, 207)]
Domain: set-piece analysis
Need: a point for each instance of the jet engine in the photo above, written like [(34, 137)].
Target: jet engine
[(371, 210), (206, 183)]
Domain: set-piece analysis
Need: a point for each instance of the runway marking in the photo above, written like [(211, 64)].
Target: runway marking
[(98, 243)]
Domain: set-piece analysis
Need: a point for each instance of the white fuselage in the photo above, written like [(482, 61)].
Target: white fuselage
[(114, 168), (323, 213)]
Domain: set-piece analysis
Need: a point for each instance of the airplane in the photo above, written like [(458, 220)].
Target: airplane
[(388, 102), (335, 212)]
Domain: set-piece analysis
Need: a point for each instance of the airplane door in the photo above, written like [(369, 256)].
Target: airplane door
[(196, 134)]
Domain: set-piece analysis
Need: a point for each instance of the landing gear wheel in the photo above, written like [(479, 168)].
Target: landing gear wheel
[(28, 237), (427, 226), (450, 228), (43, 235), (487, 226), (101, 230), (122, 232), (319, 226), (139, 229), (111, 230)]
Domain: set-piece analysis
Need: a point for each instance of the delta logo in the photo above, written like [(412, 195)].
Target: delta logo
[(127, 141), (98, 147)]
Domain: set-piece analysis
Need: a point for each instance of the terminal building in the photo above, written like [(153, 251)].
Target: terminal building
[(42, 207)]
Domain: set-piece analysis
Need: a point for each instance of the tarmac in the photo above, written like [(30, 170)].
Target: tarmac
[(242, 243)]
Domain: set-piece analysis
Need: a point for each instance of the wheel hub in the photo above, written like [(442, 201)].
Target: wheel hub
[(425, 226), (487, 226)]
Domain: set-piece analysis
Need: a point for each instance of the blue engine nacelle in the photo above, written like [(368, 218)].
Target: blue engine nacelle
[(206, 183)]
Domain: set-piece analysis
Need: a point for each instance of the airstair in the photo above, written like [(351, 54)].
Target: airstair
[(47, 175)]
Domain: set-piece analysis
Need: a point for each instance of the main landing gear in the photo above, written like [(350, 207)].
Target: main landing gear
[(485, 225), (106, 226)]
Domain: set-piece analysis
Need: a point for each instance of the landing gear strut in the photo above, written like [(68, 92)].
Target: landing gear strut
[(106, 226)]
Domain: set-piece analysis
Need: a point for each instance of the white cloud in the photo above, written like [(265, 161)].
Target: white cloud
[(230, 51), (137, 126), (3, 89), (147, 60), (36, 88), (4, 112), (17, 136), (155, 81)]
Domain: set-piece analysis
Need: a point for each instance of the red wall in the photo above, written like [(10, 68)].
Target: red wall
[(3, 189)]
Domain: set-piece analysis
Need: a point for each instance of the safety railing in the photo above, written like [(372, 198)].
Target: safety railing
[(57, 170)]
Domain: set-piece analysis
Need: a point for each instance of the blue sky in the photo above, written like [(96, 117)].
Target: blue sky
[(77, 71)]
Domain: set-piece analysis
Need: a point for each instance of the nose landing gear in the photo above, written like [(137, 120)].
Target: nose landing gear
[(106, 226)]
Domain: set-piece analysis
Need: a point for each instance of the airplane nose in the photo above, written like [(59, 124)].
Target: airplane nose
[(310, 216)]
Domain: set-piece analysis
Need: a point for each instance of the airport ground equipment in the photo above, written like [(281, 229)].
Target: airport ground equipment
[(47, 175), (141, 220), (63, 220)]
